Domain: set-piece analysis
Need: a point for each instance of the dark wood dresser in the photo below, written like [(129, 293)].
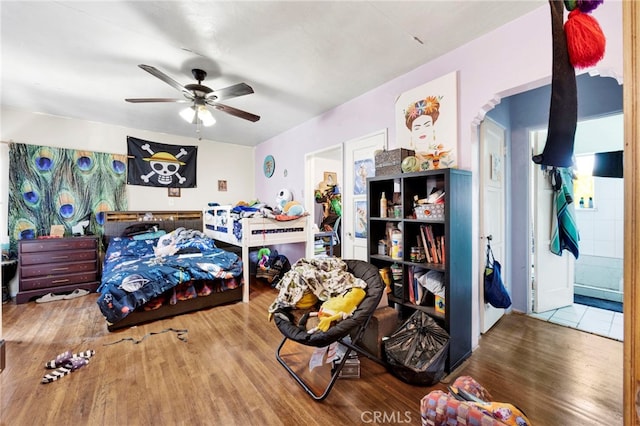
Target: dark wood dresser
[(57, 265)]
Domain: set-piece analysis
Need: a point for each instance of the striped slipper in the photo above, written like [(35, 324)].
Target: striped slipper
[(72, 365), (64, 357)]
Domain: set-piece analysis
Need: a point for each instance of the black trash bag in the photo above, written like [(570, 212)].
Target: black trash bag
[(416, 353)]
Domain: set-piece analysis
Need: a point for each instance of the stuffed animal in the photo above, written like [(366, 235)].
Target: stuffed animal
[(284, 196), (293, 208), (337, 308), (263, 258)]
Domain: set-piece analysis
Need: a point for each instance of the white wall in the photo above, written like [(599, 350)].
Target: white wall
[(602, 228), (216, 161)]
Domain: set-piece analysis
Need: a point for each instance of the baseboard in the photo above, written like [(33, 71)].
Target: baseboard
[(2, 356)]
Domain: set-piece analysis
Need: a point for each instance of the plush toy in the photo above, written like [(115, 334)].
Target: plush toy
[(263, 258), (293, 208), (284, 196), (337, 308)]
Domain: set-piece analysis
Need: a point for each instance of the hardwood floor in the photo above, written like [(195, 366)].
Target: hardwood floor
[(226, 372)]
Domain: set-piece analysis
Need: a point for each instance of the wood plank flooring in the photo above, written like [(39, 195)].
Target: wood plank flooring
[(226, 372)]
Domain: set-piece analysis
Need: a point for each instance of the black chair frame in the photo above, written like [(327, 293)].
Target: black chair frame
[(353, 327)]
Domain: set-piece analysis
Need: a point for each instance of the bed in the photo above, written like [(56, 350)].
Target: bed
[(138, 286), (222, 224)]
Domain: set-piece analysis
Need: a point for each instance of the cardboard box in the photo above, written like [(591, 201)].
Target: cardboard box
[(389, 162), (384, 322)]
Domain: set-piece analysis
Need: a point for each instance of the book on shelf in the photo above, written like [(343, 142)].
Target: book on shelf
[(410, 282), (434, 245)]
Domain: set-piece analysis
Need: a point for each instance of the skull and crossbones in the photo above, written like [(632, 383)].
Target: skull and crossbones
[(165, 165)]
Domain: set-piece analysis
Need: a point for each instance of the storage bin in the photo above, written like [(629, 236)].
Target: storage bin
[(429, 211), (390, 162)]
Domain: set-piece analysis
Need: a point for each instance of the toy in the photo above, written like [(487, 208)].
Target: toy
[(263, 258), (337, 308), (284, 196), (293, 208)]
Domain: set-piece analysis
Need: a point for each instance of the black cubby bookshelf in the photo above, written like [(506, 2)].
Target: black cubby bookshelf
[(451, 228)]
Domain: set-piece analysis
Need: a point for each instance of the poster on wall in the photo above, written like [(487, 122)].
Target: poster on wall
[(362, 169), (361, 218), (427, 122), (161, 165), (64, 190)]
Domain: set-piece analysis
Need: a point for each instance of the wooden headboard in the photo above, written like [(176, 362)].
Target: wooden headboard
[(116, 222)]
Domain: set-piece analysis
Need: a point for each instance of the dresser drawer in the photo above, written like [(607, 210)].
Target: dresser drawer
[(57, 257), (57, 265), (50, 269), (55, 244), (53, 281)]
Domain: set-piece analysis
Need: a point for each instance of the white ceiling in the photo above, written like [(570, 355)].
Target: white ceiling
[(79, 58)]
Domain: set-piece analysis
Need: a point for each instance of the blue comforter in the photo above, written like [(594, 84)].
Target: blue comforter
[(133, 275)]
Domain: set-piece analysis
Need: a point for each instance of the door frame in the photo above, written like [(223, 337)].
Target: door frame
[(310, 170)]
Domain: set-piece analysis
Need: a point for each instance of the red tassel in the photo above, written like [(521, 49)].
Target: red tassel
[(585, 39)]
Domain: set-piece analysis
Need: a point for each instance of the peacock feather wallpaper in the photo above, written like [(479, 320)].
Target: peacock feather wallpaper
[(56, 186)]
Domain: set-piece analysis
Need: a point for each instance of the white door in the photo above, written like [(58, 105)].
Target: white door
[(492, 209), (358, 161), (552, 275)]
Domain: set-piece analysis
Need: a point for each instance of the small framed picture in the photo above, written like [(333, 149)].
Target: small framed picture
[(222, 185), (331, 178), (174, 192)]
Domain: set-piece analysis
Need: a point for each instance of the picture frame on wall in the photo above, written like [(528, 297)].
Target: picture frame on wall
[(362, 169), (331, 178), (427, 122), (360, 219), (173, 192), (222, 185)]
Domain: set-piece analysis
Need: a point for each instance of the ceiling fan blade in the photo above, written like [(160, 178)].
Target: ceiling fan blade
[(234, 91), (143, 100), (234, 111), (162, 76)]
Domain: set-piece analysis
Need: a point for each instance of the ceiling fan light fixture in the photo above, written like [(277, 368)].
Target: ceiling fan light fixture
[(188, 114), (205, 116), (198, 114)]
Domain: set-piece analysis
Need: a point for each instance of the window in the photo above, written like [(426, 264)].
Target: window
[(583, 184)]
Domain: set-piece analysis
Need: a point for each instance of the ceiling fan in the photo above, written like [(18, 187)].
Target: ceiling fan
[(200, 97)]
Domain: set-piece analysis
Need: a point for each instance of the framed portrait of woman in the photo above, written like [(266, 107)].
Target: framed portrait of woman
[(427, 122)]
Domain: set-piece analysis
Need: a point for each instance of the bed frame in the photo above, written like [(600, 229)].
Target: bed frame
[(256, 232), (116, 222)]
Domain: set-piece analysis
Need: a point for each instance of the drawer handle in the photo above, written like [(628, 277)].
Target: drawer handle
[(59, 257), (59, 281), (60, 269)]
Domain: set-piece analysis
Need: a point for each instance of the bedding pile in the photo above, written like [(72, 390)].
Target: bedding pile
[(180, 265), (324, 277)]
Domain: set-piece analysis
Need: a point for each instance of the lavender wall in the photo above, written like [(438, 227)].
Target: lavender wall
[(509, 60)]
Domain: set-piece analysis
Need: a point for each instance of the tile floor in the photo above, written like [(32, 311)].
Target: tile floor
[(587, 318)]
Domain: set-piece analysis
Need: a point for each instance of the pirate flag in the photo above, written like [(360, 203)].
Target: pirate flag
[(161, 165)]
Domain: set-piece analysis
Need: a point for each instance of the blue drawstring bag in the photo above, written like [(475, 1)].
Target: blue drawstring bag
[(494, 291)]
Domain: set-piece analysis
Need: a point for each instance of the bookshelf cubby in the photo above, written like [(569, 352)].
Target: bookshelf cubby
[(449, 239)]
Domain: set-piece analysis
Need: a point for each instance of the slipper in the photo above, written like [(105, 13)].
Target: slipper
[(64, 357), (50, 297), (60, 360), (72, 365), (78, 292)]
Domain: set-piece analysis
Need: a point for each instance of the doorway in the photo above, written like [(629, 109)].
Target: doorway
[(520, 115), (323, 168)]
